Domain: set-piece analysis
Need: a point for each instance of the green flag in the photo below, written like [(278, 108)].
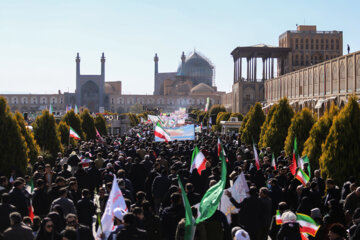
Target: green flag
[(306, 160), (189, 219), (195, 152), (210, 201)]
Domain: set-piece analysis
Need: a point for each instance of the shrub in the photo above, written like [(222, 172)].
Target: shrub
[(340, 152), (255, 119), (244, 121), (13, 147), (238, 115), (317, 136), (46, 134), (300, 127), (33, 147), (265, 125), (100, 124), (214, 110), (74, 121), (88, 125), (277, 129)]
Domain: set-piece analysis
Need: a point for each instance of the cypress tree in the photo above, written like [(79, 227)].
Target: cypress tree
[(46, 134), (33, 147), (317, 136), (88, 125), (277, 129), (238, 115), (214, 110), (74, 121), (265, 125), (300, 127), (244, 121), (64, 132), (253, 125), (340, 152), (100, 124), (13, 146)]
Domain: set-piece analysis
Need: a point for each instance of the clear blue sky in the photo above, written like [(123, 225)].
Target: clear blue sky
[(39, 39)]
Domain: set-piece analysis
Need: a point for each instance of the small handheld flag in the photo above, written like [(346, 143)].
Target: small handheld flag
[(73, 134)]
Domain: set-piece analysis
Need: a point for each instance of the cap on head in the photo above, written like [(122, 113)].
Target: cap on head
[(119, 213)]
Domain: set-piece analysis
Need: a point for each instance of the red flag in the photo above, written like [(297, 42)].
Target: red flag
[(219, 147), (31, 212), (98, 136), (293, 166)]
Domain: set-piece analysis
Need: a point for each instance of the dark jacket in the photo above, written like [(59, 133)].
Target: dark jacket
[(41, 202), (84, 233), (131, 233), (18, 231), (170, 217), (289, 231), (5, 210), (19, 200), (85, 210)]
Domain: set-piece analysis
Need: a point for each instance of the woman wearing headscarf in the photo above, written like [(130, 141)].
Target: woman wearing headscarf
[(46, 231)]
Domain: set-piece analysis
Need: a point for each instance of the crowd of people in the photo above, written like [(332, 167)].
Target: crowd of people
[(70, 195)]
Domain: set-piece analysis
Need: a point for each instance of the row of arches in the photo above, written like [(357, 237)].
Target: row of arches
[(34, 100)]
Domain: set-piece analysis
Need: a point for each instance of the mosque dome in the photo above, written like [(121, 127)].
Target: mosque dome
[(197, 68), (202, 88)]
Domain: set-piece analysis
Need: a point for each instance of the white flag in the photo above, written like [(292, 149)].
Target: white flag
[(116, 200), (239, 192)]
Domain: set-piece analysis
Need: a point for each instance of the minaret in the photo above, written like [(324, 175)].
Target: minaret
[(101, 95), (77, 60), (156, 60), (182, 73)]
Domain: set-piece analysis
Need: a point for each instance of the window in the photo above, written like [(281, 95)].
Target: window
[(33, 100), (53, 100), (24, 100), (14, 100), (247, 97), (112, 100)]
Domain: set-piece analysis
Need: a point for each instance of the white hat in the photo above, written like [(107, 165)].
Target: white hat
[(288, 216), (119, 213), (242, 235)]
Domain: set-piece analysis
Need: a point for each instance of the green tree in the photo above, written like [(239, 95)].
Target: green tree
[(64, 132), (33, 147), (238, 115), (265, 125), (100, 124), (136, 108), (277, 129), (340, 152), (251, 132), (134, 121), (13, 146), (74, 121), (214, 110), (300, 127), (317, 136), (244, 121), (222, 116), (46, 134), (200, 117), (88, 125)]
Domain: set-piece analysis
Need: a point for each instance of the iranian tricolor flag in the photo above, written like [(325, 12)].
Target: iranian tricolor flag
[(161, 133), (293, 166), (307, 224), (198, 161), (257, 163), (273, 163), (73, 134), (220, 149), (278, 218), (302, 176)]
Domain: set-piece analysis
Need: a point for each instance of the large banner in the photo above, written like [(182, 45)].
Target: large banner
[(183, 133)]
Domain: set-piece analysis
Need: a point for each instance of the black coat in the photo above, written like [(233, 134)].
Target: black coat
[(170, 218), (289, 231), (18, 199), (5, 210), (131, 233), (85, 210), (41, 202)]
